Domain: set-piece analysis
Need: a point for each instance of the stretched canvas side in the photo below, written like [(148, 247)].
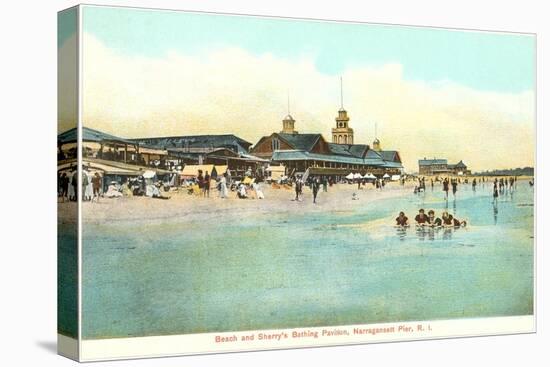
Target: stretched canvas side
[(68, 183)]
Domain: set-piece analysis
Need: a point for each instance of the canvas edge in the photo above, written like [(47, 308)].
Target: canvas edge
[(74, 348)]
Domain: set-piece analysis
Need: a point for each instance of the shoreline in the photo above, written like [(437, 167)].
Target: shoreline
[(190, 207)]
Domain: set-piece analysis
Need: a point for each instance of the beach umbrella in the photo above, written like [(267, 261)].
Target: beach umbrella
[(369, 175), (350, 176), (386, 176), (357, 175)]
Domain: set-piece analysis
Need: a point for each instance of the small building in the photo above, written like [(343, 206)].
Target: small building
[(459, 169), (433, 166), (440, 166)]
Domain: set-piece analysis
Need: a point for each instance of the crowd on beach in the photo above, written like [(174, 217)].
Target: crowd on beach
[(68, 185), (501, 185), (250, 186), (201, 185)]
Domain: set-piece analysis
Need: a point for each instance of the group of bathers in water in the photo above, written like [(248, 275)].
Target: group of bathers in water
[(430, 220)]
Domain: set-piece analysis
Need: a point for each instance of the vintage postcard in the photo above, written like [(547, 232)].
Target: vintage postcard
[(233, 183)]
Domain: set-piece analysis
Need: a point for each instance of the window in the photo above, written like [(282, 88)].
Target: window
[(275, 144)]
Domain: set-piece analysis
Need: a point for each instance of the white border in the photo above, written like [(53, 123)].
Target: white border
[(207, 343)]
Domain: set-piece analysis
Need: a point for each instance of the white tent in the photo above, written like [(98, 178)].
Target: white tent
[(149, 174), (357, 175), (395, 177), (386, 176), (350, 176), (369, 175)]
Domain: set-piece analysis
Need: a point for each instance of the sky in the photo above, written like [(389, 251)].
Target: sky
[(431, 92)]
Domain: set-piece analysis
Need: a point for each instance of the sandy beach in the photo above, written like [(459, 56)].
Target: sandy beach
[(192, 207), (248, 264)]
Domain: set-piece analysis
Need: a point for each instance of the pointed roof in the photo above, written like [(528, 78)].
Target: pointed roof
[(460, 164), (301, 141), (354, 150), (390, 155)]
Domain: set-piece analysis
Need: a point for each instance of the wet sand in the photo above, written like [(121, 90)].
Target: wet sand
[(192, 207)]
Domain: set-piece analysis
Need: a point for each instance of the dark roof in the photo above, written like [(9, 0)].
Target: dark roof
[(389, 155), (460, 164), (299, 155), (291, 155), (88, 134), (429, 162), (354, 150), (301, 141), (198, 141), (373, 154)]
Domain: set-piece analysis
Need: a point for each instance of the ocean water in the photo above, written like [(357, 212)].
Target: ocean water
[(334, 268)]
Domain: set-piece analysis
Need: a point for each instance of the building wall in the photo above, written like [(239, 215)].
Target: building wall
[(429, 169), (264, 148), (321, 147)]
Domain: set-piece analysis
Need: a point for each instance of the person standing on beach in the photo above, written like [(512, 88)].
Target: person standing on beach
[(85, 184), (325, 184), (223, 186), (446, 188), (64, 186), (298, 188), (495, 191), (96, 185), (200, 181), (206, 184), (474, 184), (454, 184), (315, 189)]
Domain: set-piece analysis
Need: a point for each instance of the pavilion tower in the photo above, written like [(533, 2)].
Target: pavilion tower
[(288, 121), (376, 142), (342, 133)]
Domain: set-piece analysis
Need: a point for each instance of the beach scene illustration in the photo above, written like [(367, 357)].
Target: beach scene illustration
[(251, 173)]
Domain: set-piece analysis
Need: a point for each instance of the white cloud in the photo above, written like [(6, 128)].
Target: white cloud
[(233, 91)]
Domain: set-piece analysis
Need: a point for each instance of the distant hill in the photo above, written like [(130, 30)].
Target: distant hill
[(525, 171)]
